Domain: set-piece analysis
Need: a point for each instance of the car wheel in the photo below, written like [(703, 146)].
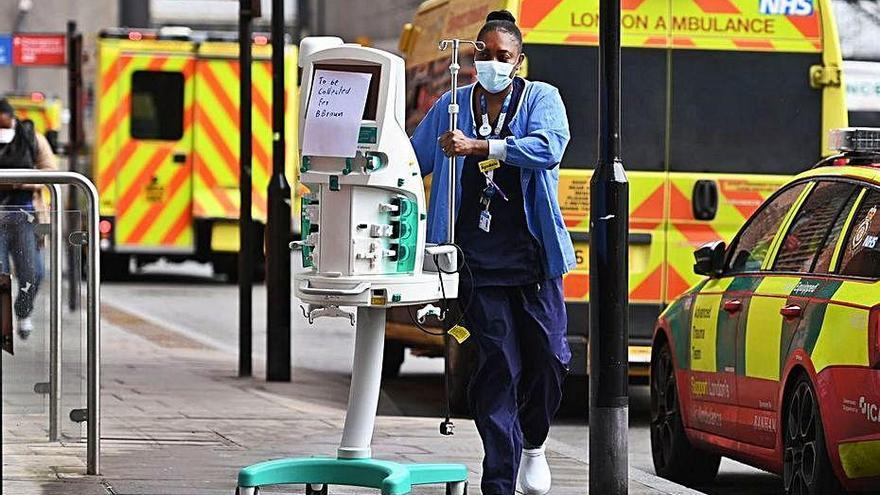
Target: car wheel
[(806, 466), (674, 456)]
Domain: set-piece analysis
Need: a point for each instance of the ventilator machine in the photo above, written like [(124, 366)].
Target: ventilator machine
[(363, 248)]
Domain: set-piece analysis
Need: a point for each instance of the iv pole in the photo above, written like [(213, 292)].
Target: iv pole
[(453, 125)]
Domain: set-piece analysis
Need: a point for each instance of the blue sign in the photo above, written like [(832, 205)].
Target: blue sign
[(5, 49)]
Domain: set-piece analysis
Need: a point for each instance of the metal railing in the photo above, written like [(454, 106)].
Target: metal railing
[(54, 311), (93, 298)]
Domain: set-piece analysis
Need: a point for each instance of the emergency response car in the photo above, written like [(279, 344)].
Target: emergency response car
[(167, 143), (774, 359), (43, 111), (705, 85)]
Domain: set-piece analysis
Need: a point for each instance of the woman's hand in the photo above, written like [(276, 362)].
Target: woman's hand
[(457, 144)]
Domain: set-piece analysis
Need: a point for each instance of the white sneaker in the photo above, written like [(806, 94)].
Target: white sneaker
[(534, 472), (25, 327)]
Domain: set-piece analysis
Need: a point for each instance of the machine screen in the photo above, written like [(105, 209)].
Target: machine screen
[(372, 93)]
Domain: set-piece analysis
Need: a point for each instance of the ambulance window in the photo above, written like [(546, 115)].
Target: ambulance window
[(743, 112), (860, 254), (809, 243), (643, 101), (750, 248), (157, 105)]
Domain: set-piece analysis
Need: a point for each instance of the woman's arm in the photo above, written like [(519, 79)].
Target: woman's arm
[(547, 134)]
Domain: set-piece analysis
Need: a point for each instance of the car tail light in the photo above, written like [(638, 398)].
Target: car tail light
[(874, 337), (135, 36), (36, 96)]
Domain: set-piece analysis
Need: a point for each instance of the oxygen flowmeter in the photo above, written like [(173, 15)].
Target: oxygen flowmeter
[(363, 246)]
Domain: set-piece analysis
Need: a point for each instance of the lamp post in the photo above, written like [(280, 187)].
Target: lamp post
[(609, 272), (278, 225)]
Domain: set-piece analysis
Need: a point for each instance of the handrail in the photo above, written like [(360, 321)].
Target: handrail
[(55, 324), (93, 298)]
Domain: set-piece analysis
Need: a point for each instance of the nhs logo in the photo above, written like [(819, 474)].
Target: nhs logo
[(787, 7)]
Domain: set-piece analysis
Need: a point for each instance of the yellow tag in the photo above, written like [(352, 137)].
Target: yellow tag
[(487, 165), (459, 333)]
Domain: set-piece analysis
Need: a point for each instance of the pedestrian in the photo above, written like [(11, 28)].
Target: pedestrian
[(21, 147), (512, 136)]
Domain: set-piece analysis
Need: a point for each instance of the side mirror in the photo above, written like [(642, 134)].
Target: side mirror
[(710, 259), (6, 312)]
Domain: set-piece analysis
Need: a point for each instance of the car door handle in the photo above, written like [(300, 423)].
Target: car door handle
[(179, 158), (733, 306), (791, 311)]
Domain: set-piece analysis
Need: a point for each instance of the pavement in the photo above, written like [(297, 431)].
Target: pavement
[(177, 420)]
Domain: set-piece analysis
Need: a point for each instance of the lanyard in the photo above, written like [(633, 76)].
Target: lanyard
[(486, 129)]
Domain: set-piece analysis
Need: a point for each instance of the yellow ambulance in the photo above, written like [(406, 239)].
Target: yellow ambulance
[(43, 111), (167, 145), (722, 101)]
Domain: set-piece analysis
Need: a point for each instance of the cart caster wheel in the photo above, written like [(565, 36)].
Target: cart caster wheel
[(316, 489), (457, 488), (247, 490)]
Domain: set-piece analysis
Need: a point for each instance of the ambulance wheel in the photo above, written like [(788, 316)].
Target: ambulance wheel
[(457, 488), (806, 466), (674, 457), (115, 267), (316, 489), (392, 358)]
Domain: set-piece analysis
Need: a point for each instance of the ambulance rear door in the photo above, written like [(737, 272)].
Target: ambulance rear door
[(154, 178)]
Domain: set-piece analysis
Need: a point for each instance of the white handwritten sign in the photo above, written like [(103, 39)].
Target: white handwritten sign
[(333, 117)]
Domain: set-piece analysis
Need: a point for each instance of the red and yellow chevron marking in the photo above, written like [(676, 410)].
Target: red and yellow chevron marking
[(150, 195), (647, 209), (735, 25), (216, 137)]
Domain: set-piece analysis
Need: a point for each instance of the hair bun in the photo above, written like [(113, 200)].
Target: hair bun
[(501, 15)]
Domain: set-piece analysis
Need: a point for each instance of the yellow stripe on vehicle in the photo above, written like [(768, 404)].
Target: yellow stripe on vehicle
[(843, 340), (764, 327), (704, 332), (860, 459)]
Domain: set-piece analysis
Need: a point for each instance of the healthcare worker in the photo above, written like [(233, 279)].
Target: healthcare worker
[(512, 135)]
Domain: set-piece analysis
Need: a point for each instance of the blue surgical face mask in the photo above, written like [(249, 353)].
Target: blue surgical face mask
[(494, 76)]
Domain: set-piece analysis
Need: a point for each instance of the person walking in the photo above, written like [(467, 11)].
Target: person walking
[(21, 147), (513, 133)]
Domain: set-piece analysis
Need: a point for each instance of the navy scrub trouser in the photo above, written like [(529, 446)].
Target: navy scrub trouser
[(517, 386)]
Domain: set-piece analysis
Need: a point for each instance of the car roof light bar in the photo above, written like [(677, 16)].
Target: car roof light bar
[(855, 139)]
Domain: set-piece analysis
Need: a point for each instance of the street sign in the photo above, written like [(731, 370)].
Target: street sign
[(39, 49), (5, 49)]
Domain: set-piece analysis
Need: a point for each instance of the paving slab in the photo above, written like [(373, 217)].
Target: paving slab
[(178, 421)]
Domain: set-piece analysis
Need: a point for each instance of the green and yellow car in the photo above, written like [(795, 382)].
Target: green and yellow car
[(774, 358)]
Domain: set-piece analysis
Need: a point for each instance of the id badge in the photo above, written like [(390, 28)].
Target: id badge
[(485, 221)]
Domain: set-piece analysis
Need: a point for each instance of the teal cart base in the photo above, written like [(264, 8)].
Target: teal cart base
[(316, 473)]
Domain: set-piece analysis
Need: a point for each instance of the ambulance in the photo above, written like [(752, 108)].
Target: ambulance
[(722, 101), (166, 161), (43, 111)]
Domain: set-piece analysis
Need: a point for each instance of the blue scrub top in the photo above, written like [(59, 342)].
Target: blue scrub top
[(538, 137), (507, 255)]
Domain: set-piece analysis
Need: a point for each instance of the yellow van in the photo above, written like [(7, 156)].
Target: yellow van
[(722, 101)]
